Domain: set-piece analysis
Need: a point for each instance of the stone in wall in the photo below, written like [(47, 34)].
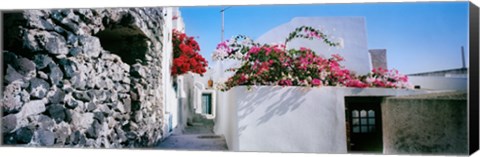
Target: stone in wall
[(83, 77), (426, 124)]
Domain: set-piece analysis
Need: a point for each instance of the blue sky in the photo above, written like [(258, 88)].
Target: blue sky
[(419, 37)]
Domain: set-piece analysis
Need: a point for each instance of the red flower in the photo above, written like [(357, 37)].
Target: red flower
[(186, 55)]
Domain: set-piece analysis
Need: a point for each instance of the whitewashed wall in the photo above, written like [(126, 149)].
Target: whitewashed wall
[(289, 119), (206, 76), (166, 62), (178, 22), (171, 97), (203, 80), (219, 73), (351, 29), (226, 119), (440, 83)]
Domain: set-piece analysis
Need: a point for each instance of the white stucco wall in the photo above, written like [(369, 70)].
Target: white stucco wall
[(218, 71), (166, 62), (206, 76), (198, 92), (178, 22), (351, 29), (187, 101), (226, 119), (289, 119), (171, 108), (439, 83)]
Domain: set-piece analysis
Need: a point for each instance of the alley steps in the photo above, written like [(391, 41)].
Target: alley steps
[(197, 135)]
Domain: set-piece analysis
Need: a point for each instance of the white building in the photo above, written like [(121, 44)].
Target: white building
[(299, 119)]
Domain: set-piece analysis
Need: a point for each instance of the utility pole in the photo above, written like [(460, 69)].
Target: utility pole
[(223, 23), (220, 70), (463, 59)]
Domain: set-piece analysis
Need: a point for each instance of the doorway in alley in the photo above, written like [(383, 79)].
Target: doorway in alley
[(207, 103)]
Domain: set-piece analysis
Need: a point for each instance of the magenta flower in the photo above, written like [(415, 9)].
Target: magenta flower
[(242, 79), (304, 49), (269, 64), (379, 83), (404, 78), (337, 57), (316, 82), (254, 50), (356, 83), (285, 82)]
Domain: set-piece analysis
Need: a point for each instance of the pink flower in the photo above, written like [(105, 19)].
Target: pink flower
[(263, 67), (286, 63), (370, 80), (314, 34), (254, 50), (356, 83), (277, 48), (380, 71), (337, 57), (316, 82), (222, 45), (404, 78), (267, 49), (379, 83), (242, 78), (247, 56), (304, 49), (285, 82)]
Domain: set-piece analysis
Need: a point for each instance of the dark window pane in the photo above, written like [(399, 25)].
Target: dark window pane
[(356, 129), (364, 129), (355, 121), (363, 113), (371, 113), (354, 113), (363, 121)]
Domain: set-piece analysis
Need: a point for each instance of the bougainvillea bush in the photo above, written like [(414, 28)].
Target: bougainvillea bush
[(186, 56), (275, 65)]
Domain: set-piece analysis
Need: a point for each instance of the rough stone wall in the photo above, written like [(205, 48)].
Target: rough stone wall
[(426, 124), (82, 77)]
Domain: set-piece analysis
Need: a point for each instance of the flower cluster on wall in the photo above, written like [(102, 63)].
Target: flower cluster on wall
[(273, 64), (186, 56)]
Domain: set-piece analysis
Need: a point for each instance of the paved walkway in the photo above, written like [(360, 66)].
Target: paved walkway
[(196, 136)]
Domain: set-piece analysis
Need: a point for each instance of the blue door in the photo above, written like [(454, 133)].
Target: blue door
[(207, 103)]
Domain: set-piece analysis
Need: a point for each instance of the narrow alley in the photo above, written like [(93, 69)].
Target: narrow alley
[(196, 136)]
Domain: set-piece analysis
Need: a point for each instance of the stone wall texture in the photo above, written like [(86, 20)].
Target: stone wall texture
[(82, 77), (426, 124)]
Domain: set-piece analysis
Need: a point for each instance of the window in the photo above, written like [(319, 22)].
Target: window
[(363, 122)]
